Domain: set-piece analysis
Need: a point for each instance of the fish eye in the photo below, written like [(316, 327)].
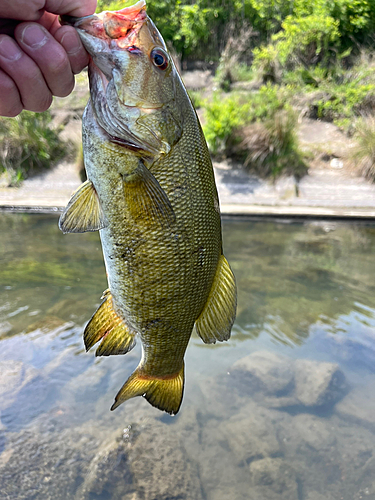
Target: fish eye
[(159, 58)]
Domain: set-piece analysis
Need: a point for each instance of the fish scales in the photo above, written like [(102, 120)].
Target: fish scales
[(156, 208)]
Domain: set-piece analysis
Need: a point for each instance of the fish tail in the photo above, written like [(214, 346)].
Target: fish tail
[(165, 393)]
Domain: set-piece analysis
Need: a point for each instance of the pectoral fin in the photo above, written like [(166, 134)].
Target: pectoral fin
[(165, 393), (106, 324), (216, 319), (146, 199), (83, 212)]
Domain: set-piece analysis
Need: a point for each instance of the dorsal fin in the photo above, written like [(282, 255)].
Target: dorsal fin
[(83, 212), (106, 324)]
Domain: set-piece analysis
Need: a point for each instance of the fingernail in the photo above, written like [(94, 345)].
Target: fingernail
[(34, 36), (9, 49), (70, 42)]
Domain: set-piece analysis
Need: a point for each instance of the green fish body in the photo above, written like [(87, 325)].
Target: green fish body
[(151, 193)]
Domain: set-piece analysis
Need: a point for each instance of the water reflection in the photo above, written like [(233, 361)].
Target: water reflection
[(291, 276), (286, 409)]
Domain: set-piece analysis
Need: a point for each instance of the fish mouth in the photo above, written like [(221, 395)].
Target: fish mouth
[(124, 23), (103, 33)]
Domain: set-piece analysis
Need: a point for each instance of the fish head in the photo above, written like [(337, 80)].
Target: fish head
[(132, 77)]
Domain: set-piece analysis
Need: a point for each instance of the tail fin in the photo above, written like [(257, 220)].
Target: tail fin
[(163, 393)]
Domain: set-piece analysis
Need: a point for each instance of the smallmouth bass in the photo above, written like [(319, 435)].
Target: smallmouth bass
[(151, 194)]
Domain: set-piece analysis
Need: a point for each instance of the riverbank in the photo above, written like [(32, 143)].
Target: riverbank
[(326, 191), (330, 189)]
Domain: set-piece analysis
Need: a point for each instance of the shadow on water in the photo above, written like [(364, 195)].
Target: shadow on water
[(284, 410)]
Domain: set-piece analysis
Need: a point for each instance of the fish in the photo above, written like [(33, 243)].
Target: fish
[(151, 194)]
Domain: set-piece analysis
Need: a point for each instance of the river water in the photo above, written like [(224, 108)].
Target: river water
[(284, 410)]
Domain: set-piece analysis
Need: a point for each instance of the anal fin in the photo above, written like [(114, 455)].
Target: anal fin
[(107, 325), (146, 199), (216, 320), (164, 393), (83, 212)]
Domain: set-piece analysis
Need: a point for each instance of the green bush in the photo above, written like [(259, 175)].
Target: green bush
[(304, 41), (224, 115), (28, 142), (345, 101), (196, 98), (271, 148)]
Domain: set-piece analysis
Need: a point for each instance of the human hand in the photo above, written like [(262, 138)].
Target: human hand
[(38, 56)]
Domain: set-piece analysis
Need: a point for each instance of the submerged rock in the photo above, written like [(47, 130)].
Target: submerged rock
[(317, 383), (251, 434), (332, 459), (46, 465), (47, 324), (109, 473), (160, 466), (359, 404), (5, 328), (14, 376), (144, 461), (147, 462), (305, 433), (228, 446), (264, 371), (273, 478), (314, 495), (280, 381)]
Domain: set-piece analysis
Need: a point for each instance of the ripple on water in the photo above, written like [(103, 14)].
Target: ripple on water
[(285, 410)]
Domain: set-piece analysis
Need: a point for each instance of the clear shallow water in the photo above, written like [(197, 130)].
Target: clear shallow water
[(286, 409)]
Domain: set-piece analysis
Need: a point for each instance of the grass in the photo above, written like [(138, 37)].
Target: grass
[(28, 143), (259, 128), (271, 148), (362, 155)]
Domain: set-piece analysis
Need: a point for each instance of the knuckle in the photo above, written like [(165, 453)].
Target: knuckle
[(7, 86), (10, 104), (11, 112), (46, 104), (40, 103), (65, 90), (59, 65)]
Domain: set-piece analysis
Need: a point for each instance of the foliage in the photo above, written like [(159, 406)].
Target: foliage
[(307, 39), (363, 154), (28, 142), (196, 98), (222, 116), (336, 93), (257, 127), (192, 28), (271, 147), (304, 40), (304, 29), (229, 65), (344, 101)]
